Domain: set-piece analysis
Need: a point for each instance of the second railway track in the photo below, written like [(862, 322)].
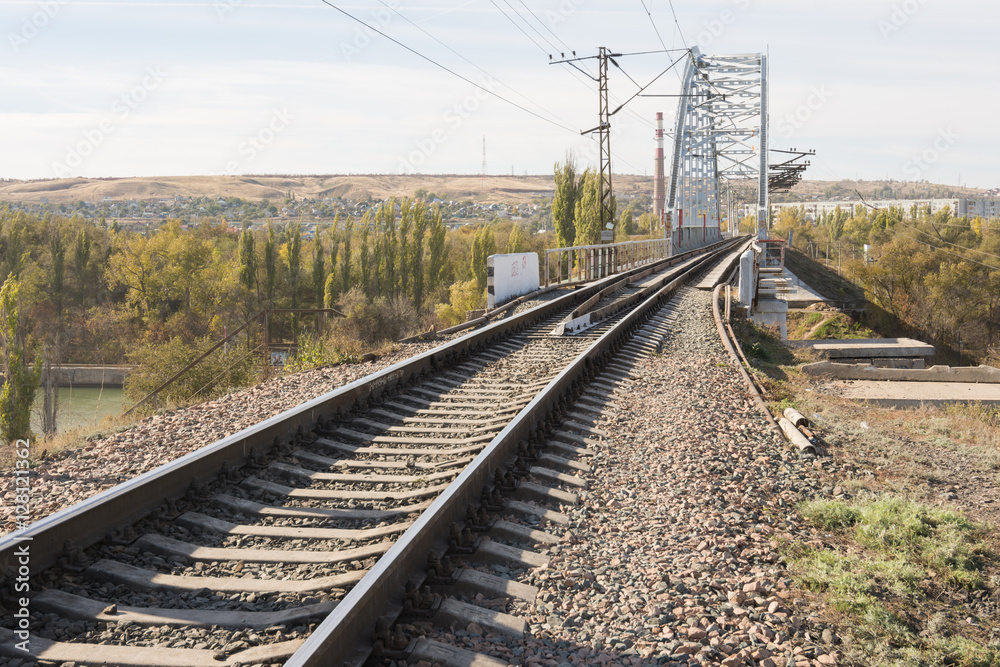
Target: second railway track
[(324, 512)]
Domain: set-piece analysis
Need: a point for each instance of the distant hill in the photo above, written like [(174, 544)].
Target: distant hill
[(494, 189)]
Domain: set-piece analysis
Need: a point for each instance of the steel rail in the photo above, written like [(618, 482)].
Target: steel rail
[(89, 521), (344, 637)]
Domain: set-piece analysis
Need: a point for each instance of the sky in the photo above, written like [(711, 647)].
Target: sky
[(902, 89)]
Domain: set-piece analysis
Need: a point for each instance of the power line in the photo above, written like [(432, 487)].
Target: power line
[(551, 32), (543, 50), (956, 245), (445, 68), (518, 26), (649, 13), (677, 23), (955, 254), (528, 23), (421, 29)]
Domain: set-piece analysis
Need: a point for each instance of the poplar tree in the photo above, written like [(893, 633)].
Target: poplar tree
[(365, 256), (587, 217), (416, 263), (18, 391), (437, 249), (58, 253), (516, 242), (345, 262), (334, 251), (405, 222), (270, 264), (248, 260), (318, 272), (564, 203), (81, 257), (295, 263), (483, 246)]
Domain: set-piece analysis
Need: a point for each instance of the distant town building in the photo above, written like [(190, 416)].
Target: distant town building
[(960, 208)]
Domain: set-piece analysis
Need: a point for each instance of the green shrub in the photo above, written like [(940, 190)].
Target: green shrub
[(221, 371)]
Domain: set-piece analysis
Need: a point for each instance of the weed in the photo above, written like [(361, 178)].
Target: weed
[(907, 546)]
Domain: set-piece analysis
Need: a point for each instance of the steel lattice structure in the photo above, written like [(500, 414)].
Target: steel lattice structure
[(720, 136)]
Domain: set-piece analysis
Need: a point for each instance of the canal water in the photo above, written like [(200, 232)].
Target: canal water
[(80, 407)]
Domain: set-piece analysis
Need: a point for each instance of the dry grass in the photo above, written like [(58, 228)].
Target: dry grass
[(499, 189), (908, 573)]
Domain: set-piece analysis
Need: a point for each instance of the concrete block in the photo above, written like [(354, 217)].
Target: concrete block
[(867, 371), (867, 348)]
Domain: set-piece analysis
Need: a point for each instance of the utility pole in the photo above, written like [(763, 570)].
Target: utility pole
[(603, 131)]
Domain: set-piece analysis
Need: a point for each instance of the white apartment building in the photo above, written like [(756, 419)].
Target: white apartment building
[(960, 208)]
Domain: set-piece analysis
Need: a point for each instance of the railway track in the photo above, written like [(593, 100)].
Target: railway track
[(285, 543)]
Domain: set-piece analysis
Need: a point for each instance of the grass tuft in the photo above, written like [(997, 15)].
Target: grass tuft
[(910, 551)]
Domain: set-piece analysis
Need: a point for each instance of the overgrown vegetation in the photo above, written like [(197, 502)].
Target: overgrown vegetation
[(910, 556), (935, 275), (825, 326)]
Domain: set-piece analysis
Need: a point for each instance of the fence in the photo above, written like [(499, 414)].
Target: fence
[(593, 262)]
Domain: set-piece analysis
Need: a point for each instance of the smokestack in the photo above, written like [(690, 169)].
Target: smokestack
[(660, 186)]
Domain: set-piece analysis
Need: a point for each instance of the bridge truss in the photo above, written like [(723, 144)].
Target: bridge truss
[(720, 141)]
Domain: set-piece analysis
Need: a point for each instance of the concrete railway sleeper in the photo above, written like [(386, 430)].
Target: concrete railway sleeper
[(448, 621), (321, 512)]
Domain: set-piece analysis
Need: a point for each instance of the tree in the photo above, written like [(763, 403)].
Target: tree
[(416, 263), (437, 249), (18, 392), (365, 259), (626, 225), (405, 222), (319, 273), (81, 257), (248, 261), (345, 262), (330, 291), (270, 264), (334, 251), (483, 246), (58, 253), (587, 217), (564, 203), (516, 242), (295, 263)]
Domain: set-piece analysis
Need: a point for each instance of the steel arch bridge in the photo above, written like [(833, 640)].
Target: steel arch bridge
[(720, 140)]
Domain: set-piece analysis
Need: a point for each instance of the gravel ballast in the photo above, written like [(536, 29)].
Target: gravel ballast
[(74, 475), (674, 555)]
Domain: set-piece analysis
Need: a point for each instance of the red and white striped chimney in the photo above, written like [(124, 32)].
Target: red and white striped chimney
[(660, 186)]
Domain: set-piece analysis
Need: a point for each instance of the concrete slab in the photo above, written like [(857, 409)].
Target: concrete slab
[(715, 276), (914, 394), (771, 312), (866, 348), (974, 375)]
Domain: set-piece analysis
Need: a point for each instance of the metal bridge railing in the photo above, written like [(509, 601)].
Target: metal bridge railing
[(593, 262)]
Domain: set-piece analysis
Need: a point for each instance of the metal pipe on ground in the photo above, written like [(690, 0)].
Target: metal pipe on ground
[(796, 417), (795, 436)]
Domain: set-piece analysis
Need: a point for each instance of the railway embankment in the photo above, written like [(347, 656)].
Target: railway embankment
[(906, 566)]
